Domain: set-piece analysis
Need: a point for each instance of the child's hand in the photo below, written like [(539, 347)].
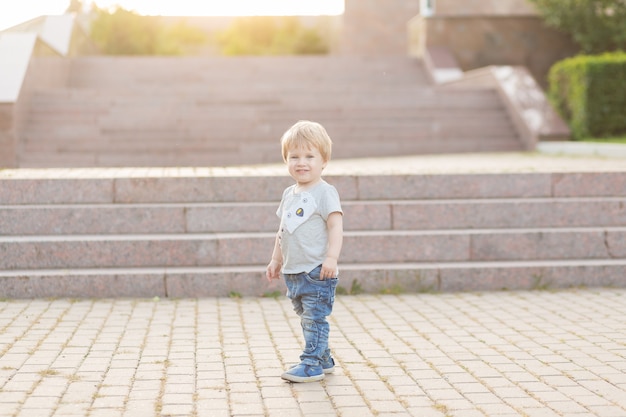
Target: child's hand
[(329, 268), (273, 270)]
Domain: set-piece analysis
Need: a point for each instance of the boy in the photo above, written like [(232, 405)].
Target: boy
[(308, 244)]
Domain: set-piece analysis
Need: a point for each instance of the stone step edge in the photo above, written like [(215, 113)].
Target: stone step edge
[(261, 235), (274, 203), (19, 187), (354, 279), (342, 267), (382, 167)]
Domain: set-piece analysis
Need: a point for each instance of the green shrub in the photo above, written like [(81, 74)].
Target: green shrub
[(123, 32), (596, 25), (590, 93), (270, 35)]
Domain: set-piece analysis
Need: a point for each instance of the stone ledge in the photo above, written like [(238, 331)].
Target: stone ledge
[(552, 157), (604, 150), (368, 278), (609, 180), (534, 117)]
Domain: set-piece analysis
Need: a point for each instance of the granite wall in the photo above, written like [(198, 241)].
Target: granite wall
[(483, 7), (479, 41), (375, 27)]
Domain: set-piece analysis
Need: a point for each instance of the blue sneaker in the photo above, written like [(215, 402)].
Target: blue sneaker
[(328, 367), (304, 373)]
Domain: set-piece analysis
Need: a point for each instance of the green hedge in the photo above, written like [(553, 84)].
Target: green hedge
[(590, 93)]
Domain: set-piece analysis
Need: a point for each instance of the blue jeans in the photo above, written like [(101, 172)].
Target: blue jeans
[(312, 300)]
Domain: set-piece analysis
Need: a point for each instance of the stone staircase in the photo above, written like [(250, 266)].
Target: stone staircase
[(128, 233), (161, 111), (208, 229)]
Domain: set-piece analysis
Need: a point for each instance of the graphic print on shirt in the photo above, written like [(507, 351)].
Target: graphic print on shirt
[(299, 211)]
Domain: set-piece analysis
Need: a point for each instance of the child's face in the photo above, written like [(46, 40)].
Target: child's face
[(305, 165)]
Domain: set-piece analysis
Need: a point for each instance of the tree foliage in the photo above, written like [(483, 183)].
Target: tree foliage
[(270, 35), (596, 25), (75, 6), (124, 32)]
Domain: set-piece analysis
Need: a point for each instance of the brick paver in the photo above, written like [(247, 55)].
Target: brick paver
[(462, 354)]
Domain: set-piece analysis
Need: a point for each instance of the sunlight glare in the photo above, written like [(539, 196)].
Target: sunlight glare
[(24, 10), (230, 7)]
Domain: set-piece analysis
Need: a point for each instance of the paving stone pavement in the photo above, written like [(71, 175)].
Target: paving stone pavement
[(538, 353)]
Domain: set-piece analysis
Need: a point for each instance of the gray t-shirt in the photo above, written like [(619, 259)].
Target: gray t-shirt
[(303, 233)]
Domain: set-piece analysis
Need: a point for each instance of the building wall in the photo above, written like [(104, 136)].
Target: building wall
[(381, 27), (479, 41), (376, 27), (479, 33), (7, 136), (483, 7)]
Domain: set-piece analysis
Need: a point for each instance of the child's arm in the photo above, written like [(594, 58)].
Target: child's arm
[(335, 241), (273, 269)]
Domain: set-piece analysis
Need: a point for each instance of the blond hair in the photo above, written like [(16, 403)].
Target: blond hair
[(307, 134)]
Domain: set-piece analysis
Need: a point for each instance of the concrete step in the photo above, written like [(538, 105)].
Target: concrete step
[(208, 232), (65, 112), (164, 111), (333, 97), (252, 154), (190, 120), (122, 140), (263, 184), (143, 71), (395, 127), (234, 249), (354, 279), (255, 153), (174, 158), (397, 215)]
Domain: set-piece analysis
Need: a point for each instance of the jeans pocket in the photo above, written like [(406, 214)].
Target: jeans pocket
[(315, 274)]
